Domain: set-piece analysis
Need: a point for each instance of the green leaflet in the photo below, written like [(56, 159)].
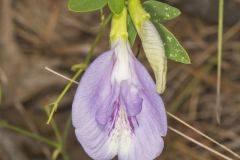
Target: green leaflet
[(132, 33), (173, 48), (116, 6), (86, 5), (160, 11)]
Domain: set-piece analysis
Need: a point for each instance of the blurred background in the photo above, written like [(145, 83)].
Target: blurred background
[(39, 33)]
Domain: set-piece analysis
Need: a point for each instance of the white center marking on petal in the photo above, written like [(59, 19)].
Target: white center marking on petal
[(121, 70), (120, 138)]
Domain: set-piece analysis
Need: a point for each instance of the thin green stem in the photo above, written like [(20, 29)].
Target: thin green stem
[(102, 15), (219, 64), (65, 155), (0, 94), (102, 27), (55, 105), (66, 129), (54, 125), (64, 138), (37, 137), (60, 138), (79, 72)]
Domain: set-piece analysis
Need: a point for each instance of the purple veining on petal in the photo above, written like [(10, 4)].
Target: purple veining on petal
[(114, 116), (127, 98), (125, 118)]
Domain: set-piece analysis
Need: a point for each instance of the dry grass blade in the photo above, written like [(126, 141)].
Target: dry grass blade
[(204, 135), (58, 74), (200, 144)]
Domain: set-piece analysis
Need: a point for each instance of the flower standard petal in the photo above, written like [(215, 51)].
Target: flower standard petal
[(93, 89)]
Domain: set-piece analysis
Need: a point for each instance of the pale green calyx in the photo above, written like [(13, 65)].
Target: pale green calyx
[(151, 41), (119, 26), (155, 53), (137, 12)]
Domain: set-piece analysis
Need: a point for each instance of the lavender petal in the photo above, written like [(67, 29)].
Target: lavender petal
[(93, 89)]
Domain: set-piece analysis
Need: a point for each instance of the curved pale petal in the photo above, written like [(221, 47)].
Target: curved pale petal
[(92, 91), (154, 101), (154, 49), (152, 121), (131, 98)]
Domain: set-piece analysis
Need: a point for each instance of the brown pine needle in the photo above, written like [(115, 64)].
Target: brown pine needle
[(204, 135), (199, 144), (58, 74), (178, 132)]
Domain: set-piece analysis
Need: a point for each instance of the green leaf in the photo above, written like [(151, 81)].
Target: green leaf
[(132, 32), (160, 11), (86, 5), (116, 6), (173, 48)]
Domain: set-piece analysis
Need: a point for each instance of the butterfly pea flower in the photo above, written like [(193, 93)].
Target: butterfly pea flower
[(116, 110), (152, 42)]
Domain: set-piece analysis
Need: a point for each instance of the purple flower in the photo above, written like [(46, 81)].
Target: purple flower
[(116, 110)]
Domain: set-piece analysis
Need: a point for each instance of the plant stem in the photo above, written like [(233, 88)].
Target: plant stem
[(86, 62), (54, 125), (64, 138), (0, 94), (79, 72), (37, 137), (93, 46), (66, 129), (219, 57)]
